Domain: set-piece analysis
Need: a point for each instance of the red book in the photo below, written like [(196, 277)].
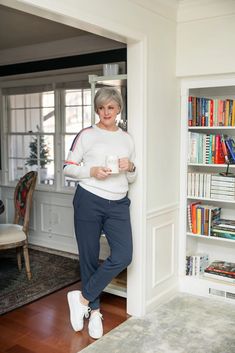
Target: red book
[(221, 112), (224, 149), (219, 155), (211, 115)]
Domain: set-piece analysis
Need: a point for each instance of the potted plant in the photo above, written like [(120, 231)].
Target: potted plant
[(42, 154)]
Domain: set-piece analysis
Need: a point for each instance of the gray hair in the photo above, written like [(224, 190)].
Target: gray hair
[(106, 94)]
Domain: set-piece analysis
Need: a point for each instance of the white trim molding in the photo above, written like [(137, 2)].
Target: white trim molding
[(161, 254)]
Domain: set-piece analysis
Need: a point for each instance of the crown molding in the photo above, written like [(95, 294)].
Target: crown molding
[(164, 8), (194, 10)]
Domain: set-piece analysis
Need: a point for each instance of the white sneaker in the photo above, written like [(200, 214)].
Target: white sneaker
[(77, 310), (95, 326)]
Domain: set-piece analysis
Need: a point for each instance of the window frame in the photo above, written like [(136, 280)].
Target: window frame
[(59, 86)]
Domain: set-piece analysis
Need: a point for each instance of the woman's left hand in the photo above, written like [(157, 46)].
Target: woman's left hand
[(125, 165)]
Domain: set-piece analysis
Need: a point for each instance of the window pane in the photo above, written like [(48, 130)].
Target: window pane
[(48, 99), (47, 174), (16, 147), (32, 100), (17, 120), (17, 101), (73, 97), (41, 150), (33, 117), (68, 140), (17, 169), (87, 116), (87, 96), (73, 119), (48, 120)]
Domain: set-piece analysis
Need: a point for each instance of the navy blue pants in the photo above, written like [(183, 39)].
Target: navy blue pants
[(92, 216)]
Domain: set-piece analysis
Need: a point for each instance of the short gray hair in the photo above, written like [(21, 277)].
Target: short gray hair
[(106, 94)]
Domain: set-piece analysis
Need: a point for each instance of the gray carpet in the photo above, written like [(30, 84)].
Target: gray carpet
[(50, 273), (186, 324)]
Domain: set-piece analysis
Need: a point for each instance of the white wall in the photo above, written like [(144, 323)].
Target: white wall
[(152, 117), (205, 38)]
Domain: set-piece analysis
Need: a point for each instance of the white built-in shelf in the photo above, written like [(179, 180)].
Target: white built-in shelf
[(210, 280), (211, 165), (201, 236), (209, 128), (209, 199)]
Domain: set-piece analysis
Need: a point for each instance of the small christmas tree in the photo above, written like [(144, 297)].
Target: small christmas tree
[(43, 152)]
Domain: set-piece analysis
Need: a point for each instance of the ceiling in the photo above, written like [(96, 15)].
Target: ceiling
[(18, 29)]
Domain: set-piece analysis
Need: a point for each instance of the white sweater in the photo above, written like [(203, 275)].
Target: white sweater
[(89, 149)]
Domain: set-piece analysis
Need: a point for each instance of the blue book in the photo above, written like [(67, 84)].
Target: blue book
[(231, 147)]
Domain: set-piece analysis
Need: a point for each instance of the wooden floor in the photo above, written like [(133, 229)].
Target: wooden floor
[(44, 326)]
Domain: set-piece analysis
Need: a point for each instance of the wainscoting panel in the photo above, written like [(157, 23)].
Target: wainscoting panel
[(51, 221), (163, 253), (161, 257)]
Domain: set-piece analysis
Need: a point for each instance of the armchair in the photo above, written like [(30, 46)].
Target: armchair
[(15, 235)]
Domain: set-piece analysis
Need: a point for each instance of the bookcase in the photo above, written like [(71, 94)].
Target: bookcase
[(195, 172), (118, 285)]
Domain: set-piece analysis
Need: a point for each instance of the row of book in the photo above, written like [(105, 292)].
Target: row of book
[(213, 186), (211, 112), (198, 265), (210, 148), (223, 228), (201, 217), (221, 270)]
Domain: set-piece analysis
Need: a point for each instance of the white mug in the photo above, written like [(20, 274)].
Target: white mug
[(112, 162)]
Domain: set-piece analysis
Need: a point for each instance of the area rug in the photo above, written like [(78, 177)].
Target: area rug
[(50, 272), (185, 324)]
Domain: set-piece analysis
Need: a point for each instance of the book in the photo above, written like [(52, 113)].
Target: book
[(222, 267), (225, 223), (231, 148), (219, 155), (221, 234), (219, 277), (196, 264), (224, 149)]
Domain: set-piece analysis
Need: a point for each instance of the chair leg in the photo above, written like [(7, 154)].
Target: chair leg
[(19, 262), (26, 260)]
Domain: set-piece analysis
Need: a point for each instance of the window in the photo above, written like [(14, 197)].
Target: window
[(40, 123), (37, 125), (77, 112), (31, 133)]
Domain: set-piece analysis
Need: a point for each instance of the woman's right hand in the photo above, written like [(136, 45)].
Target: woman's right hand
[(100, 173)]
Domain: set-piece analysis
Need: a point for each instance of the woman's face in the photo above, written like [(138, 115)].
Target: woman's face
[(107, 114)]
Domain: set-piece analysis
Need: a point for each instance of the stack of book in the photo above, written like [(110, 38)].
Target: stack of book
[(210, 148), (201, 217), (223, 228), (196, 264), (222, 187), (221, 270), (199, 184), (204, 111), (214, 186)]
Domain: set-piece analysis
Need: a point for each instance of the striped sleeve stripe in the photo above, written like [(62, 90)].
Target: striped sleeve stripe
[(77, 137), (70, 162)]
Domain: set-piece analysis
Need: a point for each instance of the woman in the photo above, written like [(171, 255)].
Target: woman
[(100, 205)]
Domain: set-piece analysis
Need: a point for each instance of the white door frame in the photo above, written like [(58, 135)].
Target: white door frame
[(137, 116)]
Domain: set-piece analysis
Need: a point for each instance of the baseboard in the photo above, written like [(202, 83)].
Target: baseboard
[(162, 298), (54, 251)]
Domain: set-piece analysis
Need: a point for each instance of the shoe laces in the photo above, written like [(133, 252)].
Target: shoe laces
[(97, 313), (87, 312)]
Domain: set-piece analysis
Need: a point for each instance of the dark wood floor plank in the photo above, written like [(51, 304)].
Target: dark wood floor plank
[(44, 326)]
